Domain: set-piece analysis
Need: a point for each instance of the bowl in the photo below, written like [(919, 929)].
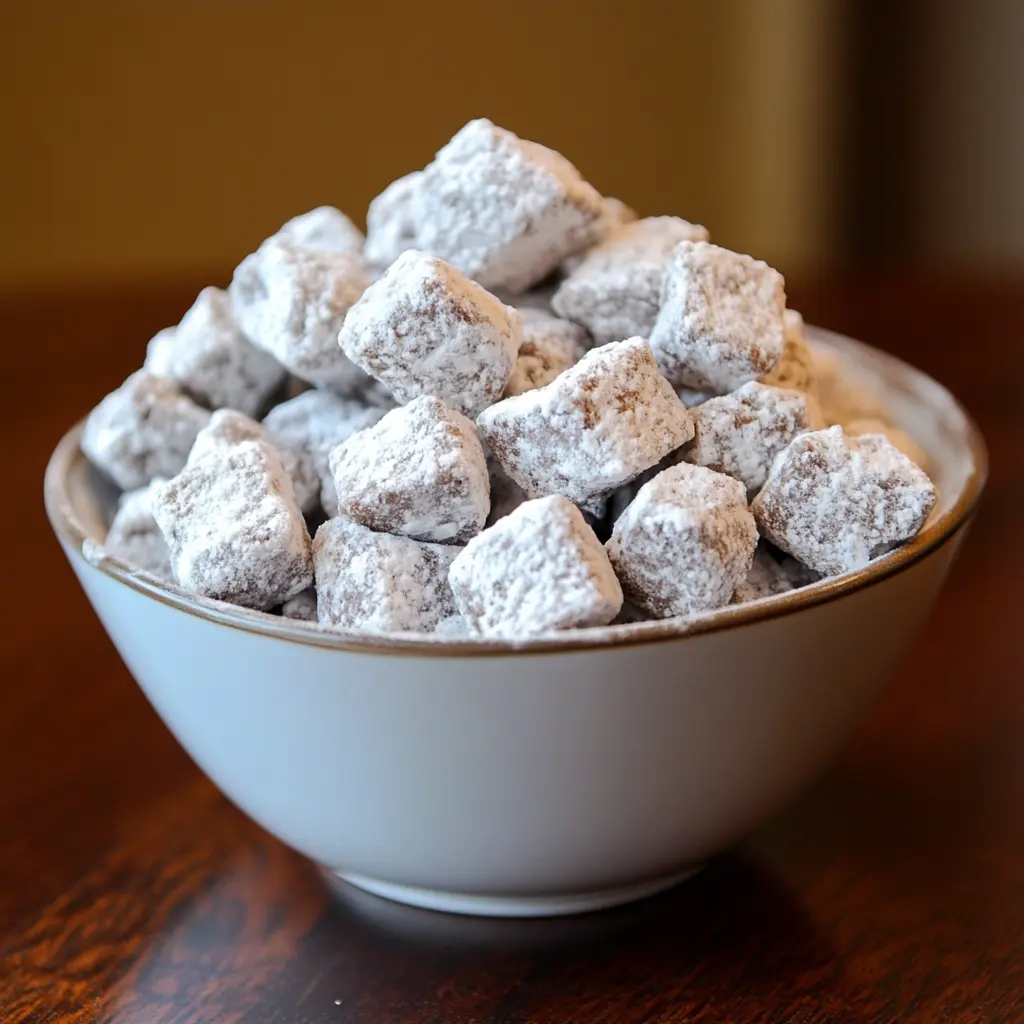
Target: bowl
[(547, 777)]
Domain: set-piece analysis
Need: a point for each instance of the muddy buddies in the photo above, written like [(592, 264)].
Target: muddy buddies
[(512, 408)]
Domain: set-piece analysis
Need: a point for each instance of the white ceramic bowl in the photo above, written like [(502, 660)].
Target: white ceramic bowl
[(557, 776)]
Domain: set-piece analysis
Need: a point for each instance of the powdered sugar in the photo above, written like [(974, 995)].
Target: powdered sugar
[(323, 228), (378, 582), (685, 543), (770, 576), (292, 299), (615, 292), (597, 426), (549, 346), (306, 428), (211, 360), (143, 430), (900, 438), (539, 569), (795, 367), (420, 472), (504, 211), (302, 606), (233, 527), (425, 329), (834, 502), (134, 536), (740, 434), (391, 222), (721, 318)]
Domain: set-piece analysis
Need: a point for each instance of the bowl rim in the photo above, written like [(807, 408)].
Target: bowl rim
[(73, 535)]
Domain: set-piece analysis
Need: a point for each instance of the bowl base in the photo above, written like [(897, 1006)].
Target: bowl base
[(554, 905)]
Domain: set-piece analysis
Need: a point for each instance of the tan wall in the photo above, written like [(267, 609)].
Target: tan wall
[(149, 140)]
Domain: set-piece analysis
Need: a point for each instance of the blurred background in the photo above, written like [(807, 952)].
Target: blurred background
[(161, 142)]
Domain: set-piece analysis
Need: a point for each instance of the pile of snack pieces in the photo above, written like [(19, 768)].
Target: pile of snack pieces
[(511, 408)]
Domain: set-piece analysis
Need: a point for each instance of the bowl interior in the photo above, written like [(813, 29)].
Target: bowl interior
[(81, 503)]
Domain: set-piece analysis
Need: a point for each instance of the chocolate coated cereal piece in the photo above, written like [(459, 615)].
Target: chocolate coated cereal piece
[(379, 582), (420, 472), (143, 430), (721, 319), (685, 543), (211, 360), (233, 527), (795, 367), (541, 568), (503, 210), (740, 434), (302, 606), (550, 346), (615, 292), (425, 329), (900, 438), (324, 228), (391, 222), (134, 536), (291, 301), (595, 427), (306, 429), (769, 576), (835, 502)]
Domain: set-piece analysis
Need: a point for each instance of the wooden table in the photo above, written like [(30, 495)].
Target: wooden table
[(131, 891)]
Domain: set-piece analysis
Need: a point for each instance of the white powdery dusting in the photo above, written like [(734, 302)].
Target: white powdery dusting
[(307, 428), (549, 347), (425, 329), (615, 292), (795, 366), (769, 576), (740, 434), (615, 214), (503, 210), (834, 502), (391, 221), (143, 430), (325, 228), (721, 321), (291, 300), (897, 436), (595, 427), (233, 527), (134, 536), (685, 543), (456, 627), (378, 582), (302, 606), (539, 569), (209, 357), (420, 472)]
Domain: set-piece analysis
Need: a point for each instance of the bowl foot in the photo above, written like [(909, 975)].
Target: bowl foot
[(554, 905)]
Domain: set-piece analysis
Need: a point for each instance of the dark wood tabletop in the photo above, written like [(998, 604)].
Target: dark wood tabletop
[(131, 891)]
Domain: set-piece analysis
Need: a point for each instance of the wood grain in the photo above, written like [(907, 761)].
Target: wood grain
[(131, 892)]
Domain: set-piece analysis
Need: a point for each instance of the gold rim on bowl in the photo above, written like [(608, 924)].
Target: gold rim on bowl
[(71, 531)]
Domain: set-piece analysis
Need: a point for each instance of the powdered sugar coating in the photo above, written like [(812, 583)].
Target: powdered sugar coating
[(692, 398), (291, 301), (900, 438), (614, 215), (549, 346), (740, 434), (721, 318), (420, 472), (233, 527), (391, 221), (615, 292), (378, 582), (769, 576), (134, 536), (425, 329), (541, 568), (305, 430), (503, 210), (324, 227), (834, 502), (455, 626), (143, 430), (685, 543), (211, 360), (597, 426), (302, 606), (795, 366)]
